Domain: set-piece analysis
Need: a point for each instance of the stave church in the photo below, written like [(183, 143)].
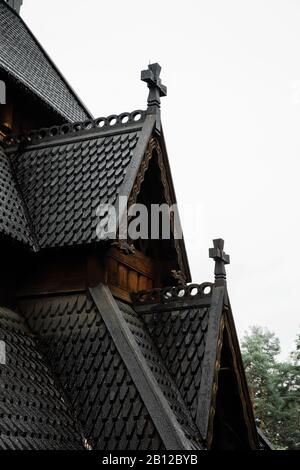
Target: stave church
[(104, 344)]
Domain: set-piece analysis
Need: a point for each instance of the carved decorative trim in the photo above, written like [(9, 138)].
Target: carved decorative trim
[(168, 198), (224, 325), (65, 130), (242, 386), (124, 246), (179, 276), (154, 145), (136, 189), (215, 383), (173, 294)]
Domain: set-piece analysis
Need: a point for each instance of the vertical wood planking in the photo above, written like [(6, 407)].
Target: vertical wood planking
[(133, 281), (142, 282), (150, 284), (123, 276), (113, 271)]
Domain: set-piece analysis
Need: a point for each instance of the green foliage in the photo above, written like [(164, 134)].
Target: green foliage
[(274, 387)]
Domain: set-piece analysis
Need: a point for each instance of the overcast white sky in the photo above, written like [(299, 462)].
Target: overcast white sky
[(231, 121)]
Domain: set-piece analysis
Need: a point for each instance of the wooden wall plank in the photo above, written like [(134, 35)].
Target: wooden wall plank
[(133, 281)]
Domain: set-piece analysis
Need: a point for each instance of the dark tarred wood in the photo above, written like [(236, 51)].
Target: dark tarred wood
[(23, 111)]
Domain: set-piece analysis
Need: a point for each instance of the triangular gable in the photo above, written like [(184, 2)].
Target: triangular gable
[(153, 147), (225, 416), (195, 334), (84, 166)]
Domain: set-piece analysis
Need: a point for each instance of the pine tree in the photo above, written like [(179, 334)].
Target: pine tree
[(274, 387)]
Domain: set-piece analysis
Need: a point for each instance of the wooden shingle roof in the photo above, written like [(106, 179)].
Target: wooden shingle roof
[(34, 412), (65, 173), (23, 58), (111, 362), (135, 377), (13, 218)]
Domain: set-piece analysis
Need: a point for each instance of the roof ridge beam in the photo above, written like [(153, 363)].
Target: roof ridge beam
[(210, 362), (144, 380), (79, 130)]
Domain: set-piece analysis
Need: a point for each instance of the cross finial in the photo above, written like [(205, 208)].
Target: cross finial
[(156, 89), (221, 259)]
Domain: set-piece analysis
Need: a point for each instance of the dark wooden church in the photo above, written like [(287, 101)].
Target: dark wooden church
[(103, 344)]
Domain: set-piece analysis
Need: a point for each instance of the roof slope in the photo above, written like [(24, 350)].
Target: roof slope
[(13, 221), (92, 372), (112, 372), (180, 336), (24, 59), (178, 320), (33, 412), (142, 378), (66, 172), (188, 325), (161, 371)]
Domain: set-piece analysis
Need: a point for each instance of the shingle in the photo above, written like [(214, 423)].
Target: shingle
[(91, 371), (161, 371), (33, 413), (180, 337), (49, 192), (13, 221)]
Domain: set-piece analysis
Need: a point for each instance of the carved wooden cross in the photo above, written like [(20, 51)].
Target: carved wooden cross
[(221, 259), (157, 89)]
